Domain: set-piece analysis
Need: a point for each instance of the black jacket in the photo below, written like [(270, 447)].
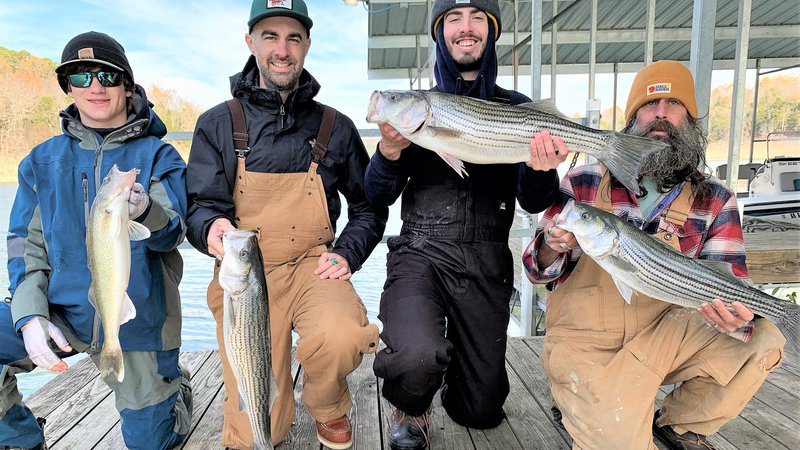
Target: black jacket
[(279, 136)]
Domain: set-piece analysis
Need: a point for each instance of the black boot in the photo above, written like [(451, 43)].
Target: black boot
[(409, 432), (685, 441)]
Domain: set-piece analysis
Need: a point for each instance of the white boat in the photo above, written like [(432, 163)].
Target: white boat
[(773, 201)]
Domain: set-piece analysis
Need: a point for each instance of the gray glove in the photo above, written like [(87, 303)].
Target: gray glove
[(137, 201)]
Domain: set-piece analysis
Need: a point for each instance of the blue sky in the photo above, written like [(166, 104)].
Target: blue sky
[(193, 47)]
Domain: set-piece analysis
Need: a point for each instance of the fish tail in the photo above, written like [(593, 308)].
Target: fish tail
[(624, 155), (790, 325), (111, 362)]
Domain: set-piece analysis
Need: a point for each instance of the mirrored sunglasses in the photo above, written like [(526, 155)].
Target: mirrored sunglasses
[(106, 79)]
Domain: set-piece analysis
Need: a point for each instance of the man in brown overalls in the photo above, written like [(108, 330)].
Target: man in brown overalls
[(606, 359), (275, 160)]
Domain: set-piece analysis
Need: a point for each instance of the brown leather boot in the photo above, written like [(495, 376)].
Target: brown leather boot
[(685, 441), (336, 434), (409, 432)]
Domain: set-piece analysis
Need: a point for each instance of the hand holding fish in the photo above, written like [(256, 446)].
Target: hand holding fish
[(214, 239), (36, 335), (138, 200), (719, 316), (333, 266), (547, 152), (392, 142)]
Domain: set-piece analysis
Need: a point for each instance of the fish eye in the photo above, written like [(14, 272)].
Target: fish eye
[(394, 97), (244, 254), (585, 216)]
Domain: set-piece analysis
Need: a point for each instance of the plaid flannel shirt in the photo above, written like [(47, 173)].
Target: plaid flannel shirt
[(712, 230)]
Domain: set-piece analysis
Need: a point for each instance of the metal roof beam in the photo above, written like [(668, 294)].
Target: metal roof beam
[(701, 54), (572, 69), (605, 36)]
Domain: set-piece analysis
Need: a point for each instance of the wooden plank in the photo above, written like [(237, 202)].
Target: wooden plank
[(770, 420), (533, 427), (75, 408), (365, 415), (773, 257), (45, 401), (523, 361), (104, 419)]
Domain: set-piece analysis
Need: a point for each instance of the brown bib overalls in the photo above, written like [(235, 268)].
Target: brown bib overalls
[(606, 359), (290, 211)]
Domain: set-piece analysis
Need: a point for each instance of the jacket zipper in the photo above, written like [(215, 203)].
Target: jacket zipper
[(85, 186), (283, 114)]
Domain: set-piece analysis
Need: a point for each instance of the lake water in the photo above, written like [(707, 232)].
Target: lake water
[(198, 331)]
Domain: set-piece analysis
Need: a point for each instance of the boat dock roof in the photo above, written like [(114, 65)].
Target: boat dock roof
[(80, 410)]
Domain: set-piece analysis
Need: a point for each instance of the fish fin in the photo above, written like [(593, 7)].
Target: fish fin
[(442, 132), (91, 296), (623, 155), (114, 226), (243, 402), (546, 105), (723, 268), (455, 163), (128, 310), (111, 361), (624, 290), (137, 231)]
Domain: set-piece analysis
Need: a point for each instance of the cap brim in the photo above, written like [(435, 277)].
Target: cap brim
[(85, 60)]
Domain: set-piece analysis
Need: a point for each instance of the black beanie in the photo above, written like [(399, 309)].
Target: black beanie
[(490, 7), (93, 47)]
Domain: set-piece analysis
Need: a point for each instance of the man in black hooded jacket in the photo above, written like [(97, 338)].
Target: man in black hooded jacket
[(450, 274)]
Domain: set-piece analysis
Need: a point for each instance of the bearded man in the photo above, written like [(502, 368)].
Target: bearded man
[(606, 359)]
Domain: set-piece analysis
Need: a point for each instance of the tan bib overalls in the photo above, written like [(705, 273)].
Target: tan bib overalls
[(606, 359), (290, 211)]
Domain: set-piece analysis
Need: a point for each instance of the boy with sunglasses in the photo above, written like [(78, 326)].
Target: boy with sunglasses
[(110, 122)]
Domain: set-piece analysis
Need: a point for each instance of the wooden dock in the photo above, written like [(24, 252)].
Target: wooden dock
[(80, 410)]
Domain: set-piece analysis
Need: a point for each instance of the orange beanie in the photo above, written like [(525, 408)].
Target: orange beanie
[(662, 79)]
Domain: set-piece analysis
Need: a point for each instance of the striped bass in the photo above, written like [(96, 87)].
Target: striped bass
[(638, 262), (460, 128), (108, 236), (245, 326)]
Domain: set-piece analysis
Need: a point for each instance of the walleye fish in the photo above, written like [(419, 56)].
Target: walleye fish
[(246, 329), (108, 236), (460, 128), (638, 262)]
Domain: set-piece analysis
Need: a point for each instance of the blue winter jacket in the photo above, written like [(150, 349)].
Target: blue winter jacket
[(47, 260)]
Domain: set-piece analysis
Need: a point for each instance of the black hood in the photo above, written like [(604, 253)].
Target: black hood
[(246, 84), (448, 78)]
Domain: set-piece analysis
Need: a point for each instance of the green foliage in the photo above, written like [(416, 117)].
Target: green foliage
[(778, 108)]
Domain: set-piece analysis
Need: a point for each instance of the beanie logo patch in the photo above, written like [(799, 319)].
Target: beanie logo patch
[(659, 88), (279, 4), (86, 53), (465, 2)]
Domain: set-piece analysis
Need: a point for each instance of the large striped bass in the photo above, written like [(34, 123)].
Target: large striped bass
[(245, 326), (108, 236), (638, 262), (460, 128)]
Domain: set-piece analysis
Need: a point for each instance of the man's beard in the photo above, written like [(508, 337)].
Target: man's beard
[(468, 64), (283, 83), (686, 152)]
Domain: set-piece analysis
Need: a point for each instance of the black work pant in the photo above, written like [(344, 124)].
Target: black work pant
[(445, 314)]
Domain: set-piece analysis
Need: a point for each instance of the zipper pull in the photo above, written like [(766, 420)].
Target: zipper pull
[(85, 186), (283, 114)]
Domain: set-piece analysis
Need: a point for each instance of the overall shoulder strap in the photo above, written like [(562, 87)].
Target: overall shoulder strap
[(240, 139), (320, 146)]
